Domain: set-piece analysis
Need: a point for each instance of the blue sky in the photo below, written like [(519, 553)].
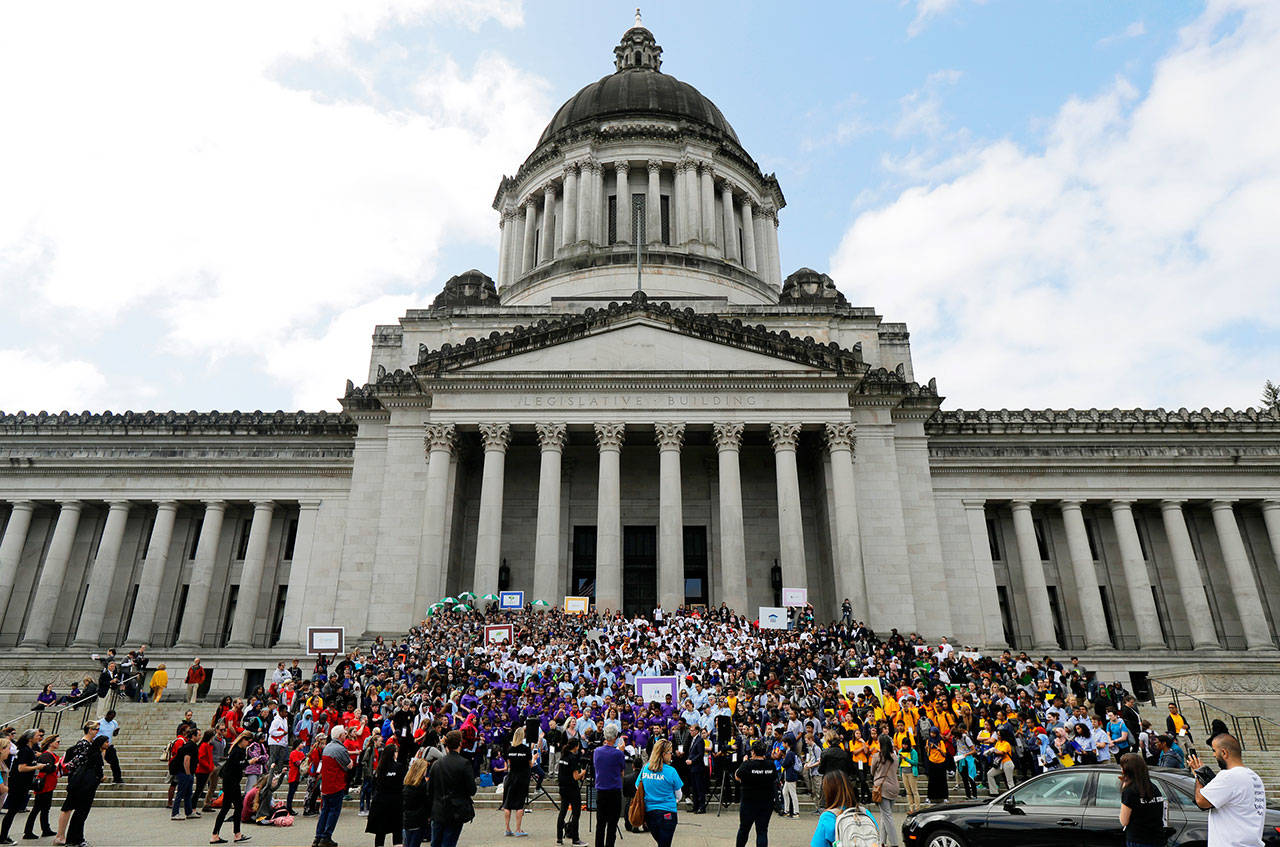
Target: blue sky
[(212, 206)]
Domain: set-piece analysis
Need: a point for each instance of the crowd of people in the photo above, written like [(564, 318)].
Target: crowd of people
[(416, 725)]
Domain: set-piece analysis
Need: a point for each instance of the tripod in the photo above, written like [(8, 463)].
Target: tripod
[(725, 761)]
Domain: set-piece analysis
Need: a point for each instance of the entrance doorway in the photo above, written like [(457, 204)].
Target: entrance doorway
[(639, 569), (696, 590)]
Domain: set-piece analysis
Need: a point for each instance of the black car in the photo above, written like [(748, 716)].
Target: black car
[(1074, 807)]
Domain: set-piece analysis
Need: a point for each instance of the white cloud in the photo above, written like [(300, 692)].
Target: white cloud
[(1131, 261), (1137, 29), (921, 110), (51, 384), (926, 11), (163, 169)]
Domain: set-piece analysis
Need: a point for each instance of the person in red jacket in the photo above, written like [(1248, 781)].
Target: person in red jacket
[(335, 764), (204, 764), (46, 779), (296, 757)]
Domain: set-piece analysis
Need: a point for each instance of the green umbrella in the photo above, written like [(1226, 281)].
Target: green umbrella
[(448, 601), (462, 607), (541, 603), (433, 610), (470, 595), (491, 597)]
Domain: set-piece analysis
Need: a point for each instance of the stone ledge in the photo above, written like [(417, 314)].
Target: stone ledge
[(179, 423), (1072, 421)]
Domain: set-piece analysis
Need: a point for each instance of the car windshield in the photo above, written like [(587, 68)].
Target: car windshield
[(1064, 788)]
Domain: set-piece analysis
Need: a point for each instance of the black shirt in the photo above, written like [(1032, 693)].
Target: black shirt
[(177, 765), (233, 768), (20, 781), (1146, 818), (758, 777), (518, 759)]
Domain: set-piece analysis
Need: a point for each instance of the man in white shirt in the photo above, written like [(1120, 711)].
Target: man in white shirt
[(1235, 797), (278, 740)]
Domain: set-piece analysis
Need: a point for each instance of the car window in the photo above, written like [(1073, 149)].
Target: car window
[(1178, 796), (1106, 794), (1058, 789)]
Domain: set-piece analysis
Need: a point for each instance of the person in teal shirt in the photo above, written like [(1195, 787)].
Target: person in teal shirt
[(661, 786), (837, 796)]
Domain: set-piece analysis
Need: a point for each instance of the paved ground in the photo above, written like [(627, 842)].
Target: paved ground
[(152, 827)]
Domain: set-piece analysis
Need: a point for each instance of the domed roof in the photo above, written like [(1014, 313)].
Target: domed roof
[(638, 88)]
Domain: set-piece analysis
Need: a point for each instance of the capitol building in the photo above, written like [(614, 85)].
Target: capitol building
[(639, 403)]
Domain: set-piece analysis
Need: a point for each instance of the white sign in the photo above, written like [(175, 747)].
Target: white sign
[(324, 639), (773, 617), (795, 597), (511, 600), (655, 689)]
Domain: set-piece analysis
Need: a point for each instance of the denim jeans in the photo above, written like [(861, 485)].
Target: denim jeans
[(662, 826), (330, 808), (182, 794), (445, 835), (414, 837)]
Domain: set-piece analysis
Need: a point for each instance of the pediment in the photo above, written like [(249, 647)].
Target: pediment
[(640, 346)]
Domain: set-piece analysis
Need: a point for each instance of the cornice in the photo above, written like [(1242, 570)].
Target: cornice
[(593, 381), (172, 423), (1119, 421)]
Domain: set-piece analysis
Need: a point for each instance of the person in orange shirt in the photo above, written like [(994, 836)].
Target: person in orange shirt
[(1001, 761), (935, 752), (860, 755)]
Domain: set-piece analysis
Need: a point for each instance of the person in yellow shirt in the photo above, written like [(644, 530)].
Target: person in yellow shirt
[(860, 754), (1001, 761), (159, 682), (935, 752)]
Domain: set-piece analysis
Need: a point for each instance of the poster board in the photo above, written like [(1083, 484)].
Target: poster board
[(325, 639), (577, 605), (656, 688), (499, 634), (511, 601), (852, 686), (773, 617), (795, 597)]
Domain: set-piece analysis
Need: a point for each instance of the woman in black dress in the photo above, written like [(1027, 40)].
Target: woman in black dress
[(572, 769), (385, 810), (82, 786), (515, 788), (232, 798)]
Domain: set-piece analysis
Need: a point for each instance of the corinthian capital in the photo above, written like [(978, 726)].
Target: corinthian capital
[(622, 167), (440, 437), (841, 436), (496, 436), (728, 436), (654, 166), (784, 436), (609, 436), (552, 436), (670, 435)]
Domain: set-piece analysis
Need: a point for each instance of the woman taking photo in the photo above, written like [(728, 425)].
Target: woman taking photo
[(884, 788), (232, 798), (515, 791), (82, 786), (661, 785), (1143, 811)]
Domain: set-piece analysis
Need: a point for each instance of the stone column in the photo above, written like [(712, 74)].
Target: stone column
[(1086, 577), (45, 604), (985, 573), (496, 437), (790, 526), (850, 577), (609, 437), (15, 539), (142, 624), (775, 258), (597, 217), (1244, 587), (1033, 580), (293, 626), (623, 192), (685, 227), (102, 575), (733, 541), (191, 633), (653, 206), (763, 268), (546, 549), (730, 223), (548, 240), (439, 442), (528, 255), (255, 563), (670, 437), (708, 215), (1271, 517), (1142, 604), (515, 245), (570, 205), (748, 236), (1190, 585), (505, 229), (584, 201)]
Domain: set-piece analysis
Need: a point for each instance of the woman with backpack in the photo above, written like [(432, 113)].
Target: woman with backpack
[(791, 767), (841, 821), (661, 786), (884, 788), (82, 786)]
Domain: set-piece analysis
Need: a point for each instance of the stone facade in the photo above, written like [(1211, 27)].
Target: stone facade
[(711, 437)]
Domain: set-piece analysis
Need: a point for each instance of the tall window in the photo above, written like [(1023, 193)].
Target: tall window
[(233, 594), (195, 538), (613, 219), (664, 208), (1107, 616), (242, 546), (584, 561), (1042, 543), (177, 619), (277, 620), (290, 539), (638, 223), (1055, 609), (1006, 613), (993, 536), (1091, 532)]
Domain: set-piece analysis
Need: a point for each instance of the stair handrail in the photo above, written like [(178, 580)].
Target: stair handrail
[(56, 713), (1237, 720), (115, 692)]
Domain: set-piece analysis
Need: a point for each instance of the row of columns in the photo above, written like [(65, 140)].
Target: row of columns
[(105, 570), (609, 437), (1243, 586), (582, 204)]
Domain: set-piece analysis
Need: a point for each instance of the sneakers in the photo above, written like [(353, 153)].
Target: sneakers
[(177, 818), (364, 813), (194, 815)]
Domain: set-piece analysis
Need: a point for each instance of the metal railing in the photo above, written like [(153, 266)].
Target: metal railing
[(50, 719), (1209, 712)]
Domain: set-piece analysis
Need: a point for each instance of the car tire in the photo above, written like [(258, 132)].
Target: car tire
[(945, 838)]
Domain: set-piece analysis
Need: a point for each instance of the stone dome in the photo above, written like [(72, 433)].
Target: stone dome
[(638, 88)]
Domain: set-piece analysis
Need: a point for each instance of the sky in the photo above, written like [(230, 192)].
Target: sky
[(210, 206)]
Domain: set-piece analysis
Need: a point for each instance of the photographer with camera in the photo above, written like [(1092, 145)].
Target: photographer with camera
[(572, 769), (1235, 796)]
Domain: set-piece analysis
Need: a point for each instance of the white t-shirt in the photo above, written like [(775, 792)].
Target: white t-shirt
[(1239, 808)]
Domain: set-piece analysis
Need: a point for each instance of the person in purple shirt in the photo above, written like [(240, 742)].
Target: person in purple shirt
[(608, 761)]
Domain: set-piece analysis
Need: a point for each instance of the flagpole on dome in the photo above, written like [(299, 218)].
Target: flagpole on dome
[(638, 217)]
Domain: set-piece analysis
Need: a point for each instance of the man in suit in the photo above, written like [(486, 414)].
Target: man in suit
[(696, 761)]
